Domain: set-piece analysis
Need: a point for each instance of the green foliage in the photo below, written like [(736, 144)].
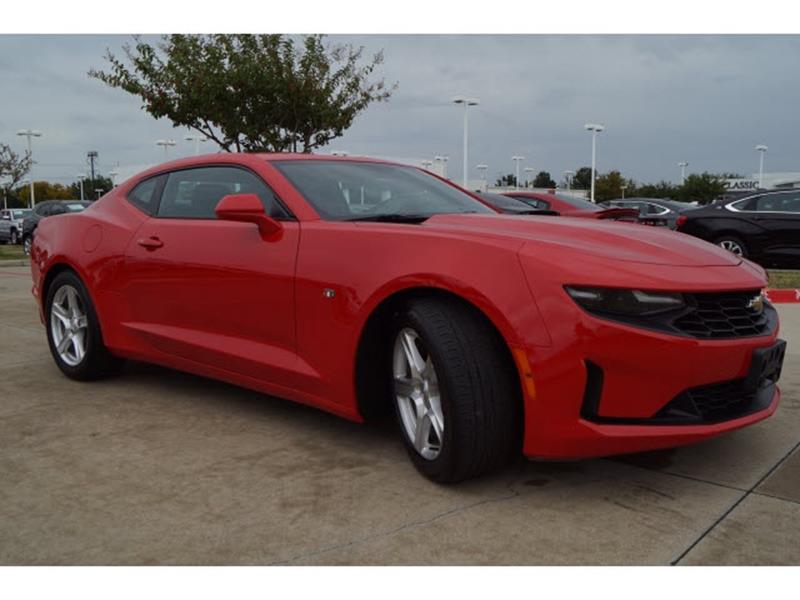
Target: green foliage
[(509, 180), (44, 190), (662, 189), (609, 186), (543, 180), (250, 92), (704, 188), (13, 167), (582, 180), (90, 187)]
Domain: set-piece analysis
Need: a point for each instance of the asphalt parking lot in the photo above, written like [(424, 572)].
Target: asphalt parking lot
[(159, 467)]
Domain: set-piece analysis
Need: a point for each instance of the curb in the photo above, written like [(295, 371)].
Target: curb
[(785, 296)]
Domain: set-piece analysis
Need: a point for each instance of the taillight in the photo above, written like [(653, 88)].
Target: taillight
[(681, 221)]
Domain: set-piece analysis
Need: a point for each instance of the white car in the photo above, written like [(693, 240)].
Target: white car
[(11, 224)]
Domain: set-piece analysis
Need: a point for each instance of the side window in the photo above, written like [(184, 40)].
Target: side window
[(195, 193), (746, 204), (55, 209), (768, 203), (655, 209), (791, 203), (143, 196)]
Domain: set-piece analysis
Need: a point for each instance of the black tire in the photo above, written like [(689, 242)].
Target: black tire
[(97, 361), (732, 239), (479, 390), (26, 244), (14, 239)]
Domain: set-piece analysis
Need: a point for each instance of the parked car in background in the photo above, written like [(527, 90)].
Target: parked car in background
[(11, 224), (44, 209), (654, 211), (513, 206), (569, 206), (764, 227), (361, 286)]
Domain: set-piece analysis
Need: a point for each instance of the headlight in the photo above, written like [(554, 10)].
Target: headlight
[(625, 302)]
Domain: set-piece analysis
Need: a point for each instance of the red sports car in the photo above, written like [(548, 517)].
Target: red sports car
[(569, 206), (357, 286)]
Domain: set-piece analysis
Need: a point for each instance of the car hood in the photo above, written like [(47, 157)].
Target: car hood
[(553, 237)]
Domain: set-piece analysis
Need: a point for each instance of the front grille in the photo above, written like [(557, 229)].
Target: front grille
[(723, 315)]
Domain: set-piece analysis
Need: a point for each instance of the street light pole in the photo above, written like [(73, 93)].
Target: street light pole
[(529, 176), (595, 128), (623, 188), (762, 150), (683, 166), (166, 144), (467, 102), (517, 159), (482, 170), (568, 175), (81, 177), (197, 139), (30, 133)]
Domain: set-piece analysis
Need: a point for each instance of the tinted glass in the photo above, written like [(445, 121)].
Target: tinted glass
[(789, 202), (143, 195), (533, 202), (655, 209), (342, 190), (195, 193), (505, 203), (579, 202)]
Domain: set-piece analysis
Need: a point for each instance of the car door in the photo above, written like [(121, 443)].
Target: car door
[(779, 215), (210, 291)]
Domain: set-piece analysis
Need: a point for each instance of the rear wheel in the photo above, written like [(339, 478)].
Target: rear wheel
[(732, 244), (26, 245), (454, 391), (73, 331), (14, 237)]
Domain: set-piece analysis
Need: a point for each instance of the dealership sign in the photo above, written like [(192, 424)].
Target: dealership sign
[(740, 184)]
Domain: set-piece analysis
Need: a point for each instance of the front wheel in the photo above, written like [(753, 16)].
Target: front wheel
[(73, 331), (27, 242), (14, 238), (454, 390)]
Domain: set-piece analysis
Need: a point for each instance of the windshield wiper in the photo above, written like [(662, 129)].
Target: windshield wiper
[(392, 218)]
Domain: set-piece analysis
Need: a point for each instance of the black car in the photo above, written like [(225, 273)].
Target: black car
[(512, 206), (44, 209), (764, 227), (654, 211)]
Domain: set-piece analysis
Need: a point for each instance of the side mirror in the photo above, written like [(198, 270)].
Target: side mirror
[(247, 208)]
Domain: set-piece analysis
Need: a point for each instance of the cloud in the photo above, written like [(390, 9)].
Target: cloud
[(705, 99)]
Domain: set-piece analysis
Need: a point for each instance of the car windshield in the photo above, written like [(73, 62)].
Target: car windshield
[(351, 190), (578, 202), (21, 213), (506, 203)]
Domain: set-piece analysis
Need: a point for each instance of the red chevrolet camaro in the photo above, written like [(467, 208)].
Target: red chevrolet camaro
[(570, 206), (357, 286)]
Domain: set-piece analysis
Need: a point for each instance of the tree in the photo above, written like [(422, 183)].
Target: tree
[(609, 186), (250, 92), (582, 179), (704, 188), (13, 167), (44, 190), (662, 189), (543, 180), (90, 187), (509, 180)]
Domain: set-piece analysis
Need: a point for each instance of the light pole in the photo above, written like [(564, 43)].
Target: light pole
[(197, 139), (81, 177), (683, 166), (166, 144), (112, 175), (595, 128), (30, 133), (762, 150), (528, 176), (517, 159), (568, 175), (482, 168), (467, 102), (623, 188)]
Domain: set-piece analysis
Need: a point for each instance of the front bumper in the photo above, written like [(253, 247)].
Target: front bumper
[(644, 375)]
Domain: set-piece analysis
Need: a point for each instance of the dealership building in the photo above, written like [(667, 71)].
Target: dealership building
[(770, 181)]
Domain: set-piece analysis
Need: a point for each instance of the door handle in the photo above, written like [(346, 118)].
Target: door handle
[(150, 243)]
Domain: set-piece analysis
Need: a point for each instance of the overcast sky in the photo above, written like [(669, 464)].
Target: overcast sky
[(704, 99)]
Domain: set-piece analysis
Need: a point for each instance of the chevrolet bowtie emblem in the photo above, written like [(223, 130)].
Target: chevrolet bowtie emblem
[(756, 303)]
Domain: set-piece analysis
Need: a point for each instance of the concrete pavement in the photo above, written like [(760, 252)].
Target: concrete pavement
[(160, 467)]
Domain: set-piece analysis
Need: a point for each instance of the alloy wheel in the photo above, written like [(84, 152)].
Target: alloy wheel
[(69, 325), (416, 389), (732, 246)]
